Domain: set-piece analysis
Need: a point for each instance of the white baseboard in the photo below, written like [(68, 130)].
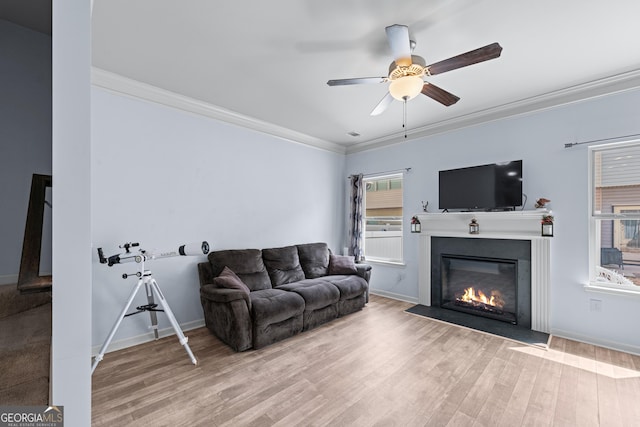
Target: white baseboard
[(392, 295), (141, 339), (613, 345), (9, 279)]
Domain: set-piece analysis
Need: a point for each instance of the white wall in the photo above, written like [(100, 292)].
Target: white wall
[(71, 162), (25, 138), (550, 171), (164, 177)]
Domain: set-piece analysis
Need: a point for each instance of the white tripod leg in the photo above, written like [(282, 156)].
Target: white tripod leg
[(103, 349), (172, 319), (152, 313)]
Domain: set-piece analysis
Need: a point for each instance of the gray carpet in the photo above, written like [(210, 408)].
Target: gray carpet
[(25, 349), (495, 327)]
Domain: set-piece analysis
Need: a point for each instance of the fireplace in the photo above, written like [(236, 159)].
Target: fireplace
[(491, 268), (480, 286), (503, 236)]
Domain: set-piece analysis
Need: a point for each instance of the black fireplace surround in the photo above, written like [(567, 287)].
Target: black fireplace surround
[(504, 253)]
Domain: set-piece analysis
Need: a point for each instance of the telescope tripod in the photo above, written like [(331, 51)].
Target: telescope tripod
[(151, 288)]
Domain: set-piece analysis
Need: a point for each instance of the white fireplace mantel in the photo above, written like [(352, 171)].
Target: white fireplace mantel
[(513, 225)]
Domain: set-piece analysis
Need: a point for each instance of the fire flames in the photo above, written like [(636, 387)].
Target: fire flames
[(472, 296)]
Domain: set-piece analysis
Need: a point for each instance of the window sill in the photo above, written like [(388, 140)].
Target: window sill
[(603, 288), (382, 262)]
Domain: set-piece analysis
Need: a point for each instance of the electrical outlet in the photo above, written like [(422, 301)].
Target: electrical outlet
[(595, 304)]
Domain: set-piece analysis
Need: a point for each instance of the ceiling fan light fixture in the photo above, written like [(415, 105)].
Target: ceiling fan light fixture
[(406, 87)]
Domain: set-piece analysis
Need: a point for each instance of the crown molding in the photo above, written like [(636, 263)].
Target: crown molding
[(597, 88), (136, 89)]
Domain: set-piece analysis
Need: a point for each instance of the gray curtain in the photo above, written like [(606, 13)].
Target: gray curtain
[(356, 217)]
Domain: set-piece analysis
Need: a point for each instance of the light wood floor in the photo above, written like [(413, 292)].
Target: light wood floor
[(380, 366)]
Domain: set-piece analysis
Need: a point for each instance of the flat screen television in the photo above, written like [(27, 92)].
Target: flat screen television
[(496, 186)]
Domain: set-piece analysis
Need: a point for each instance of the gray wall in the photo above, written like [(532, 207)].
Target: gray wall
[(25, 137), (550, 171), (164, 177)]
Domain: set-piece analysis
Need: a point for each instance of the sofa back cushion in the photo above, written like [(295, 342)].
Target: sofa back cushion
[(283, 265), (314, 259), (246, 263)]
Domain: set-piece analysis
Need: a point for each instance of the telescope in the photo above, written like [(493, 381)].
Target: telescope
[(189, 249), (151, 287)]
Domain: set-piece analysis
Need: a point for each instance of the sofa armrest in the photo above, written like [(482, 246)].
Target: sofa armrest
[(227, 315), (364, 271), (214, 293)]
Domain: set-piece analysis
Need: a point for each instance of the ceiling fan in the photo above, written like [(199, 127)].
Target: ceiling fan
[(406, 72)]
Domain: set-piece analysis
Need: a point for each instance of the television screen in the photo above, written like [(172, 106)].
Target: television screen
[(486, 187)]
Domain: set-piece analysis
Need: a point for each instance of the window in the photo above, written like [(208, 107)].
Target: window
[(615, 216), (383, 218)]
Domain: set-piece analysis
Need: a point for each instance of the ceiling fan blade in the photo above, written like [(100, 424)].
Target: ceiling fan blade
[(442, 96), (358, 81), (398, 37), (485, 53), (382, 105)]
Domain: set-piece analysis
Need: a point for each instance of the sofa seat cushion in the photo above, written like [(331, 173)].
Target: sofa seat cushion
[(246, 263), (350, 286), (275, 305), (317, 293), (314, 259)]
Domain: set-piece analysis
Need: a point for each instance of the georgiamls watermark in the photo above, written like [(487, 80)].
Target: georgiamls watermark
[(31, 416)]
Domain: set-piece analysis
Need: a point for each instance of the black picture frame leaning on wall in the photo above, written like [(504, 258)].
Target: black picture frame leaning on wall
[(29, 278)]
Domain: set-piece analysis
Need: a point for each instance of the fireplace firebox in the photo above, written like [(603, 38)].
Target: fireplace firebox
[(467, 272), (480, 286)]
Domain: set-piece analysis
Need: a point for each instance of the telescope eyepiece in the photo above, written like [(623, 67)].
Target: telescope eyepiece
[(101, 257)]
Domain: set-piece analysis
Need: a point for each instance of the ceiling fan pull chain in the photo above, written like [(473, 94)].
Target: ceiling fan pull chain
[(404, 116)]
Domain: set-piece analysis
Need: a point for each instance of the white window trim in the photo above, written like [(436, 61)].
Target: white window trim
[(379, 261), (368, 259), (611, 289), (595, 234)]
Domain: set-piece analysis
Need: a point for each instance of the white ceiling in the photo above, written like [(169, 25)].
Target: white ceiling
[(266, 63)]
